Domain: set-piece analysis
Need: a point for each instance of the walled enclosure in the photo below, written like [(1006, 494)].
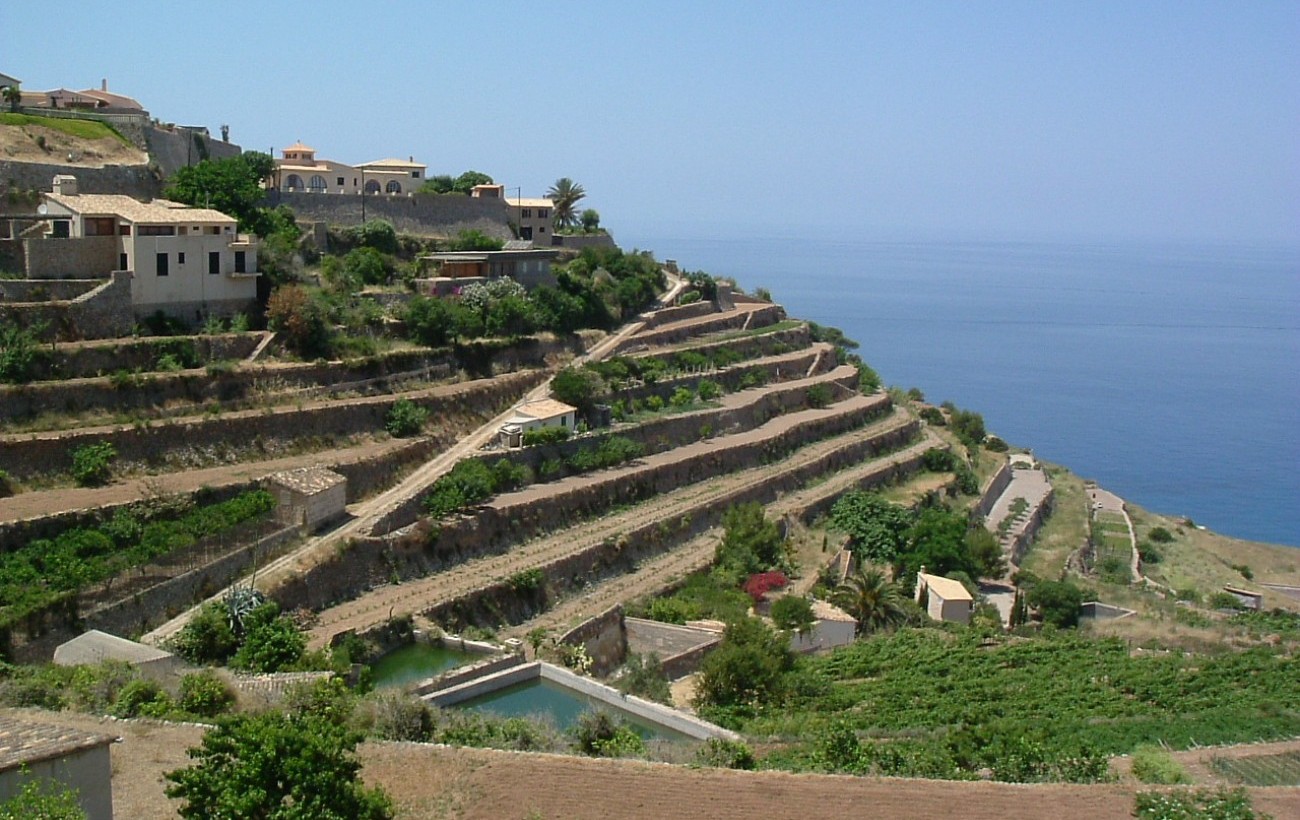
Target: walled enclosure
[(102, 313)]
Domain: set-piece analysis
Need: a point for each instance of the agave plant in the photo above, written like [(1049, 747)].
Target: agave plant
[(240, 601)]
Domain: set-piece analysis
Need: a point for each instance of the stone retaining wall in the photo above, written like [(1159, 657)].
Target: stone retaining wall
[(680, 313), (101, 358), (1023, 536), (102, 313), (604, 639), (993, 490), (734, 320), (420, 215), (82, 257), (245, 433), (369, 562), (42, 290), (138, 181), (749, 347)]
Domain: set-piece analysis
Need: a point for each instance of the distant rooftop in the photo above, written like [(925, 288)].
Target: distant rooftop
[(94, 646), (307, 480), (133, 210)]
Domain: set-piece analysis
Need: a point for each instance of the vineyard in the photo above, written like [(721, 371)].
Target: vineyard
[(934, 703), (1264, 770)]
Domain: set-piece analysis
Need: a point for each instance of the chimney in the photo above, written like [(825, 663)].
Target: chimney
[(103, 84), (65, 184), (412, 159)]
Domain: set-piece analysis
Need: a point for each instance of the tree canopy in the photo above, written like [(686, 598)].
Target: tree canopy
[(878, 528), (566, 194), (232, 186), (287, 767)]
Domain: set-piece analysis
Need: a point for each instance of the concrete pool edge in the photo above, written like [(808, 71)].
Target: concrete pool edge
[(655, 713)]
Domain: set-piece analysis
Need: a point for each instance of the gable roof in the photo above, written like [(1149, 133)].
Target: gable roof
[(945, 588), (133, 210), (391, 162), (544, 409), (6, 80), (23, 743), (111, 99), (531, 202), (94, 646)]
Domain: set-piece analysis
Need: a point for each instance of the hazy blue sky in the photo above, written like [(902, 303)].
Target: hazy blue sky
[(961, 120)]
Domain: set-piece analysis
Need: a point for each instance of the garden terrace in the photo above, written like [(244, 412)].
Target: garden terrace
[(786, 453), (737, 412), (75, 360), (251, 435), (770, 340), (744, 317), (231, 386)]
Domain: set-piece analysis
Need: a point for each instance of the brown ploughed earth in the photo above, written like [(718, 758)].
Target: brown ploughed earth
[(427, 781)]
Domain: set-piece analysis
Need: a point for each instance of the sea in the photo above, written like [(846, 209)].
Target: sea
[(1168, 373)]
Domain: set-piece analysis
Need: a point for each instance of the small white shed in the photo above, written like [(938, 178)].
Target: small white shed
[(537, 415), (944, 599)]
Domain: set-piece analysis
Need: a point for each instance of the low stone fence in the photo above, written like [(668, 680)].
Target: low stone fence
[(749, 347), (571, 241), (680, 648), (663, 316), (180, 442)]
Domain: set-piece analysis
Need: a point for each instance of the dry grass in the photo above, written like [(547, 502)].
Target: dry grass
[(1065, 530)]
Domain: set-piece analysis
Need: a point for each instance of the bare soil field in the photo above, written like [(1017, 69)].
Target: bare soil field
[(465, 784)]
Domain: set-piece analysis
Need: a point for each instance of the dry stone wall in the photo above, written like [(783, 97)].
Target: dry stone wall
[(254, 432), (676, 314), (735, 320), (100, 313), (42, 290), (420, 215), (604, 639)]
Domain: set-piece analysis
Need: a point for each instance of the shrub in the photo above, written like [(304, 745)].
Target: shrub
[(6, 484), (394, 715), (1152, 764), (819, 395), (92, 463), (995, 445), (1058, 601), (599, 734), (681, 397), (933, 416), (545, 435), (405, 419), (724, 754), (793, 613), (142, 698), (709, 390), (271, 641), (644, 677), (1198, 804), (19, 352), (654, 403), (303, 319), (205, 694), (1160, 535), (42, 799)]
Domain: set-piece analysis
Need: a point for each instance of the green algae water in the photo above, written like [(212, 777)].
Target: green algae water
[(415, 662), (563, 706)]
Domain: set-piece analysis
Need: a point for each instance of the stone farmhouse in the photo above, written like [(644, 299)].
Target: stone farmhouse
[(538, 414), (187, 262), (300, 171)]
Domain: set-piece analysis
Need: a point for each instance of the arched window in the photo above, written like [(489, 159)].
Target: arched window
[(372, 186), (294, 183), (318, 184), (394, 187)]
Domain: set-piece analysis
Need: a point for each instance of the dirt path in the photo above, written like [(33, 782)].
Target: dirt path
[(428, 781), (419, 595)]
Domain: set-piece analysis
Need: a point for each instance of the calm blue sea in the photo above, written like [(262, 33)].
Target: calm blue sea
[(1168, 373)]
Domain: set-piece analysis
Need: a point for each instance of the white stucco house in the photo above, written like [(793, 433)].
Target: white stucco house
[(944, 599), (538, 414), (832, 627), (187, 262)]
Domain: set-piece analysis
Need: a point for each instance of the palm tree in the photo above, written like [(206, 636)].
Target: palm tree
[(12, 96), (565, 193), (872, 600)]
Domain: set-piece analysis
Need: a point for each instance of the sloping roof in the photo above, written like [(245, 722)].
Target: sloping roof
[(5, 80), (307, 480), (945, 588), (23, 743), (544, 409), (133, 210), (95, 646), (530, 202), (518, 245), (391, 162), (111, 99)]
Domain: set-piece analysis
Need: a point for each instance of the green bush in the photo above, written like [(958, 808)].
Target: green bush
[(405, 419), (725, 754), (819, 395), (681, 397), (1152, 764), (271, 642), (1058, 602), (142, 698), (205, 694), (1195, 804), (644, 677), (545, 435), (1160, 535), (19, 354), (709, 390), (792, 613), (92, 463), (599, 734), (6, 484), (42, 799)]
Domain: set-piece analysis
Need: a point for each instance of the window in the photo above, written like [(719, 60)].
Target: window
[(61, 229), (394, 187), (162, 264), (526, 213), (214, 230), (122, 263), (341, 183), (541, 213), (155, 230), (123, 230), (372, 186), (180, 258), (317, 184), (99, 226), (415, 175), (239, 262), (294, 183), (214, 261)]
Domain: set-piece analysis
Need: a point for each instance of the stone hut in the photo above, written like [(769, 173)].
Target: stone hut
[(310, 496), (72, 758), (95, 647)]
